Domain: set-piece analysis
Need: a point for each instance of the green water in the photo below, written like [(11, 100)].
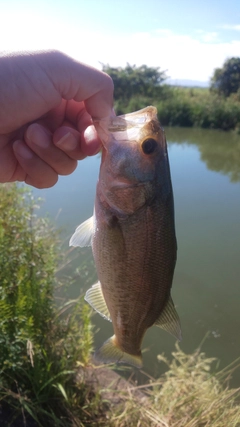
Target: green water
[(205, 168)]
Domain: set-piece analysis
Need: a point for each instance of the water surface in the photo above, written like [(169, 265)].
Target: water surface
[(205, 168)]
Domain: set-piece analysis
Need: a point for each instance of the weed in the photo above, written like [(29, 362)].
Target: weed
[(41, 344), (190, 394)]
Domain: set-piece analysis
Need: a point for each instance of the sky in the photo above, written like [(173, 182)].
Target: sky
[(188, 39)]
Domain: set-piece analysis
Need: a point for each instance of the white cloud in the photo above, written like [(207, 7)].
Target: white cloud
[(184, 56), (210, 37), (207, 37), (230, 27)]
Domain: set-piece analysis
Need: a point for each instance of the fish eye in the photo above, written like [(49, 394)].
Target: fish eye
[(149, 146)]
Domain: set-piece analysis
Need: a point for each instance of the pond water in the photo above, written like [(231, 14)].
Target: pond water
[(205, 169)]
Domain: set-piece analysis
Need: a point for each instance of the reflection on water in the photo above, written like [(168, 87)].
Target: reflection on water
[(219, 150), (205, 167)]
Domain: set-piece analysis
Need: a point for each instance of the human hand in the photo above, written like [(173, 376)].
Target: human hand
[(47, 105)]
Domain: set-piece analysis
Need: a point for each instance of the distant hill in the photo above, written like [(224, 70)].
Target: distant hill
[(186, 82)]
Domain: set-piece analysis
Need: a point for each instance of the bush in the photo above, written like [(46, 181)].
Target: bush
[(189, 107), (175, 112), (41, 347), (27, 265)]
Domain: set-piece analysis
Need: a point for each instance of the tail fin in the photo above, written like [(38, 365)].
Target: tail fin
[(111, 353)]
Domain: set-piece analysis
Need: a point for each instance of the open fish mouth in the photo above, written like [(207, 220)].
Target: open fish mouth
[(126, 125)]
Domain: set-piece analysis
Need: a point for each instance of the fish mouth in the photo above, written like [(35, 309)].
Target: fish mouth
[(136, 119), (124, 183), (124, 127)]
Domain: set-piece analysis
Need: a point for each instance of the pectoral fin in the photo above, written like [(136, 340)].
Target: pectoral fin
[(83, 234), (111, 353), (169, 320), (95, 298)]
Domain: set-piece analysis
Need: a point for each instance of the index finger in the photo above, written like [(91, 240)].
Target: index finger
[(81, 82), (99, 102)]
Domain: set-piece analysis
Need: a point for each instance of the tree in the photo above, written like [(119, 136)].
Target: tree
[(135, 81), (226, 80)]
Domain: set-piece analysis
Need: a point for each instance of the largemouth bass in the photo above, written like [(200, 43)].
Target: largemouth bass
[(132, 234)]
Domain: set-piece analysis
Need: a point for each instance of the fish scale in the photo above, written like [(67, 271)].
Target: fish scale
[(132, 234)]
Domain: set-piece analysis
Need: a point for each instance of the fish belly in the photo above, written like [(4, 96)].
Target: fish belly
[(135, 258)]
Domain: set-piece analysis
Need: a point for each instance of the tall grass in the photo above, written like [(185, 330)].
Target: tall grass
[(190, 394), (41, 345)]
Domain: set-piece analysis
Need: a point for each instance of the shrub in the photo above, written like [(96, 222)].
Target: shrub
[(189, 107), (41, 346)]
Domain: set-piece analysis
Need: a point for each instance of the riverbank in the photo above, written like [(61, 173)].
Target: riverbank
[(192, 393), (46, 375)]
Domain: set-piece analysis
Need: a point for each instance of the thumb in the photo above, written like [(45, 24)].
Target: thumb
[(78, 81)]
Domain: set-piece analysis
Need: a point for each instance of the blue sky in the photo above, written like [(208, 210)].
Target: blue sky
[(187, 38)]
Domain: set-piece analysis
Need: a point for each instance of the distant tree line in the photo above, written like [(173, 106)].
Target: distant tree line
[(136, 81), (216, 108)]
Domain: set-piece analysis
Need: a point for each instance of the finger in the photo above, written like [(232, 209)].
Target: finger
[(75, 80), (39, 140), (91, 143), (68, 140), (75, 112), (38, 173), (18, 175), (77, 145)]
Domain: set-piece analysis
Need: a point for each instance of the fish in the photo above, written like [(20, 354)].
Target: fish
[(132, 234)]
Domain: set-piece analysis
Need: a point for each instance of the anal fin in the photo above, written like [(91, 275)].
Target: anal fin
[(94, 297), (169, 320)]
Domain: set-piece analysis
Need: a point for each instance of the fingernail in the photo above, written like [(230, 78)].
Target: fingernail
[(22, 150), (38, 136), (68, 142), (90, 133), (93, 144)]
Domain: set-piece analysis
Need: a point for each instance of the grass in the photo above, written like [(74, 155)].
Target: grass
[(190, 394), (44, 346), (41, 344)]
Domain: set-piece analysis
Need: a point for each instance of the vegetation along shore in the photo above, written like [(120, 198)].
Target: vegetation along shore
[(216, 107)]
